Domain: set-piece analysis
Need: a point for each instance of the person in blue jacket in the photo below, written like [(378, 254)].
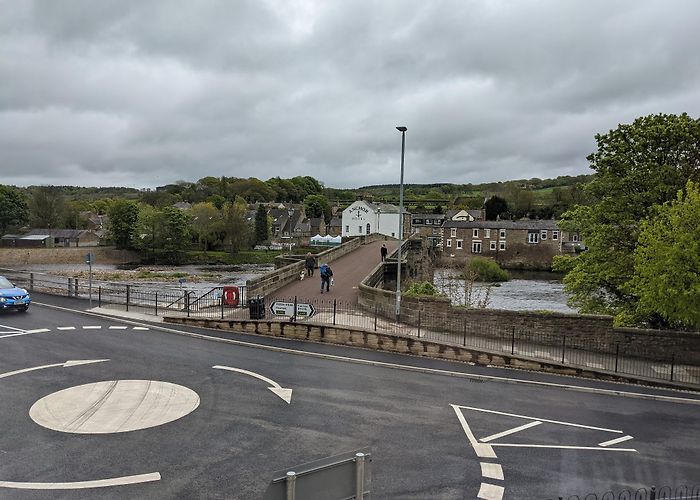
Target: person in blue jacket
[(326, 274)]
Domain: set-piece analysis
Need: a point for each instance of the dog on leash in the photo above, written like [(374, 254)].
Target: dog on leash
[(302, 276)]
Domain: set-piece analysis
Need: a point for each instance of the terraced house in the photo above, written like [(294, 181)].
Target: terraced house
[(526, 244)]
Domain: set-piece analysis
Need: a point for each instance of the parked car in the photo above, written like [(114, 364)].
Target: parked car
[(12, 297)]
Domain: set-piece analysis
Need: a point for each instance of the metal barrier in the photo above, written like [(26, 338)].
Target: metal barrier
[(664, 493), (340, 477)]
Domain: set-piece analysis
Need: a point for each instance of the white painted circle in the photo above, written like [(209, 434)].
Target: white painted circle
[(114, 406)]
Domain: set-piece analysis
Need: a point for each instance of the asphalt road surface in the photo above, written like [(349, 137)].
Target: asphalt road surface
[(145, 406)]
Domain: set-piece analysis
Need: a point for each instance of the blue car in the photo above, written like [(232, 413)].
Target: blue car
[(12, 297)]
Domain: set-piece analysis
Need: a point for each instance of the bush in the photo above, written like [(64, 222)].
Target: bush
[(485, 270), (422, 288)]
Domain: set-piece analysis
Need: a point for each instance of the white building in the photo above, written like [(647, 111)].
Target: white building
[(363, 217)]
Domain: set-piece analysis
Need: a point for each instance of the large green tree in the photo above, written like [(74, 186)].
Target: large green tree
[(235, 225), (667, 262), (637, 166), (46, 207), (206, 224), (262, 225), (316, 205), (123, 217), (13, 208)]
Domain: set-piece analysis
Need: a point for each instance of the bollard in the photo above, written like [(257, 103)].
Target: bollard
[(419, 323), (375, 317), (464, 333), (512, 342), (359, 475), (70, 286), (673, 362), (99, 296), (291, 485), (156, 303), (563, 348), (128, 288), (334, 306), (222, 304), (617, 355)]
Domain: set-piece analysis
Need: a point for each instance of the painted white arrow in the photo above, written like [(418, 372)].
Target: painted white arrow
[(67, 364), (285, 394)]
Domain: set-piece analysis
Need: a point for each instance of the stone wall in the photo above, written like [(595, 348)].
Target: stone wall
[(352, 336), (589, 332), (13, 257)]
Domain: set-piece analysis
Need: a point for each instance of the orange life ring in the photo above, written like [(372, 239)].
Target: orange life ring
[(231, 296)]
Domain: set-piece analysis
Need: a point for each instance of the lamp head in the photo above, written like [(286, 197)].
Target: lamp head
[(401, 129)]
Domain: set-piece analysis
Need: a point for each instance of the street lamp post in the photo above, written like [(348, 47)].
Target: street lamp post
[(398, 264)]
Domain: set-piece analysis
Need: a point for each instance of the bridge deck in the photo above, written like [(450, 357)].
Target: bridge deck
[(348, 272)]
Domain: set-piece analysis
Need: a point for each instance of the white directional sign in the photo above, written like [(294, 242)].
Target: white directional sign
[(280, 308)]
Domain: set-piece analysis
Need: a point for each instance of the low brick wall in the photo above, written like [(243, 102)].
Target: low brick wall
[(274, 280), (379, 341)]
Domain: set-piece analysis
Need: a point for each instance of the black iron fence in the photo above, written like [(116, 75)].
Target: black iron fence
[(653, 493), (232, 302)]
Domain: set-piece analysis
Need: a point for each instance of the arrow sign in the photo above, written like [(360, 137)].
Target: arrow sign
[(285, 394), (280, 308), (67, 364)]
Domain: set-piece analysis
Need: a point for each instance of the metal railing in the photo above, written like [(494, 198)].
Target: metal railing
[(448, 329), (653, 493)]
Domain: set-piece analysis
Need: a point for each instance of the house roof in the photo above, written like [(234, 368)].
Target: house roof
[(60, 233), (502, 224)]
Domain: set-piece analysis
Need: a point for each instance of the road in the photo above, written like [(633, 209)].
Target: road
[(149, 408)]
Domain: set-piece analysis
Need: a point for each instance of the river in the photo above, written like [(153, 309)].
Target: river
[(525, 291)]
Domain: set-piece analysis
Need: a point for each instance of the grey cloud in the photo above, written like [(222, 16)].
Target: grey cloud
[(144, 93)]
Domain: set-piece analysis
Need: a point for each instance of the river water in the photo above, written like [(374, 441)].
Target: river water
[(198, 279), (525, 291)]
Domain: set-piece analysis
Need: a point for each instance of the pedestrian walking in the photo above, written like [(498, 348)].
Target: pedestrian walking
[(310, 264), (384, 251), (326, 276)]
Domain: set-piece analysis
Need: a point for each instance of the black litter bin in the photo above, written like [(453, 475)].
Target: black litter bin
[(257, 308)]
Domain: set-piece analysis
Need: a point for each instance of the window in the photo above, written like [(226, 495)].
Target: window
[(501, 245), (368, 229), (418, 221), (487, 233), (453, 232), (475, 233), (359, 229), (347, 229), (492, 245), (449, 243), (533, 237), (555, 235), (574, 237), (502, 234), (459, 244), (476, 247), (543, 234)]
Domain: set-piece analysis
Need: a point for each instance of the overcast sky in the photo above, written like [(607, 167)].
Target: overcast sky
[(144, 93)]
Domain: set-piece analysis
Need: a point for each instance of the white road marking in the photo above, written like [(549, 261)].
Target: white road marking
[(285, 394), (491, 471), (38, 330), (12, 328), (615, 441), (64, 328), (114, 406), (141, 328), (540, 419), (92, 327), (510, 431), (490, 492), (99, 483), (561, 447), (14, 335), (118, 327), (482, 450), (67, 364)]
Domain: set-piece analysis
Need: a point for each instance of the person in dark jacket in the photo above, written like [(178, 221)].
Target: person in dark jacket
[(384, 251), (326, 275), (310, 264)]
